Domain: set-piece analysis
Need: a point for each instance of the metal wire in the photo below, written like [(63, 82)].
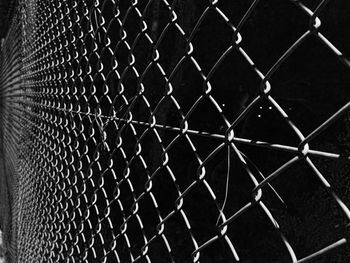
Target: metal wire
[(113, 158)]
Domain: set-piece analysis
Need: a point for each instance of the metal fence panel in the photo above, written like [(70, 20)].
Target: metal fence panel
[(176, 131)]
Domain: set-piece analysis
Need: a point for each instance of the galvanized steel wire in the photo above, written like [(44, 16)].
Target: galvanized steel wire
[(89, 141)]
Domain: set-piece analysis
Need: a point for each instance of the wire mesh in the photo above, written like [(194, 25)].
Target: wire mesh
[(145, 131)]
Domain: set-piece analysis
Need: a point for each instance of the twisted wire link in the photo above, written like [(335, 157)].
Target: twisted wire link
[(108, 160)]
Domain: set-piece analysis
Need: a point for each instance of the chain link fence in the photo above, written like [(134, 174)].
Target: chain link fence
[(176, 131)]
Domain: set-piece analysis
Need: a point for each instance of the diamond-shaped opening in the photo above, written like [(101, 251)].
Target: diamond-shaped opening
[(107, 11), (96, 251), (101, 201), (111, 82), (110, 181), (86, 156), (121, 51), (79, 43), (319, 80), (116, 215), (229, 183), (300, 113), (256, 239), (185, 174), (135, 235), (140, 129), (171, 49), (98, 84), (126, 197), (156, 17), (154, 85), (82, 61), (148, 214), (120, 108), (142, 53), (107, 60), (128, 140), (318, 223), (263, 161), (295, 186), (105, 106), (140, 112), (202, 220), (179, 239), (207, 48), (89, 44), (207, 118), (151, 150), (119, 162), (138, 175), (99, 32), (80, 98), (168, 114), (233, 84), (187, 85), (265, 123), (86, 228), (79, 180), (107, 236), (158, 252), (268, 26), (122, 7), (197, 10), (131, 25), (129, 81), (164, 191), (122, 249)]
